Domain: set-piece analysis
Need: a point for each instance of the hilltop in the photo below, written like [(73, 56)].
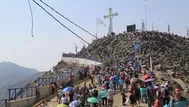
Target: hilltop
[(167, 50)]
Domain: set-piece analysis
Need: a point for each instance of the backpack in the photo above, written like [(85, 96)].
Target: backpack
[(95, 93), (137, 90), (149, 92), (166, 92)]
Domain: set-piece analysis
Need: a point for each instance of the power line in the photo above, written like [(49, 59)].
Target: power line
[(67, 18), (60, 22), (31, 17)]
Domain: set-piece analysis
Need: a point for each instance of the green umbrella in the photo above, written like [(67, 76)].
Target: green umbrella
[(93, 100), (62, 105)]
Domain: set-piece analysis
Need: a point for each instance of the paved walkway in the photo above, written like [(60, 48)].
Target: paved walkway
[(117, 99)]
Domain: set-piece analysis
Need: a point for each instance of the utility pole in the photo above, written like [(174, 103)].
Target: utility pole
[(187, 32), (145, 2), (110, 16), (152, 26), (75, 48), (168, 27)]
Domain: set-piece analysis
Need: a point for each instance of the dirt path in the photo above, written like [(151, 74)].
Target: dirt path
[(117, 99)]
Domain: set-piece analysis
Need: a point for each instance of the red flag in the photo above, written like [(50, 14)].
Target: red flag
[(100, 22)]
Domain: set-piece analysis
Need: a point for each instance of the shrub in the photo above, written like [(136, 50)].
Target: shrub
[(106, 63)]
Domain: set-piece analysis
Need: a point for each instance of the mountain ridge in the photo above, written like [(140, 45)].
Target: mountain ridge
[(11, 73)]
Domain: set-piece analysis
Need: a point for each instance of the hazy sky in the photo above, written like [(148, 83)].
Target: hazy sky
[(45, 49)]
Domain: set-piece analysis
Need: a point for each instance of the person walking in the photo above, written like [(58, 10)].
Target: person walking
[(165, 94), (143, 94), (110, 95), (159, 100), (137, 94), (132, 99), (149, 95), (64, 99), (123, 97), (103, 96), (121, 82)]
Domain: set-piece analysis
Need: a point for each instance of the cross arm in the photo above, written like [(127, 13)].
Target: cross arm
[(107, 16)]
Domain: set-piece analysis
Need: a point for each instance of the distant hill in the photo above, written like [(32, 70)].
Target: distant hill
[(21, 83), (11, 74)]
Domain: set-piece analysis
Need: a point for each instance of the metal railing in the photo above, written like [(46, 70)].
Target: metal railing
[(20, 93), (41, 82), (3, 102), (30, 91), (66, 74)]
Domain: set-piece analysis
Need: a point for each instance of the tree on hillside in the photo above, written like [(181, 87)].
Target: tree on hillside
[(106, 63)]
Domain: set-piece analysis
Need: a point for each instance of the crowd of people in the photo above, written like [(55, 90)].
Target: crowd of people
[(124, 80)]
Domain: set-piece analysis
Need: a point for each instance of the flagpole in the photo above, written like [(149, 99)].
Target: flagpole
[(151, 66), (145, 14)]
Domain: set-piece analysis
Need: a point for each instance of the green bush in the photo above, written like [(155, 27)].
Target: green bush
[(106, 63)]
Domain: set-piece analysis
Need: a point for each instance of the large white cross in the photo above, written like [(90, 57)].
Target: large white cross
[(110, 16)]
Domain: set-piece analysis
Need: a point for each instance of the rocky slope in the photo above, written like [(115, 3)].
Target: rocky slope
[(168, 50)]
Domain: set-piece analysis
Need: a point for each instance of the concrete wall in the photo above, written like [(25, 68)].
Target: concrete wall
[(81, 61), (44, 92), (26, 102)]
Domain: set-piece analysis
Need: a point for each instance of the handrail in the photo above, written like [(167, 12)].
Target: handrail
[(30, 91), (25, 92), (3, 102), (45, 81)]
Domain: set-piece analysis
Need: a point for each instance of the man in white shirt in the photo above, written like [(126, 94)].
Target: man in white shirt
[(64, 99)]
